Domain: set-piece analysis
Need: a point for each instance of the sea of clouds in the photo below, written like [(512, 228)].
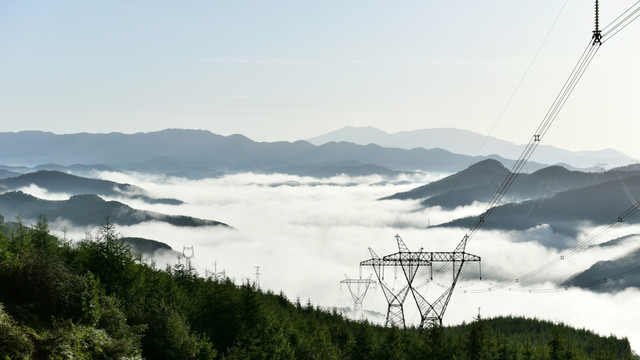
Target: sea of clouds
[(305, 234)]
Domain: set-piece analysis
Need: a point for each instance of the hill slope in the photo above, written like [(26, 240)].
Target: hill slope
[(121, 308), (609, 276), (59, 182), (87, 210), (480, 182), (567, 211)]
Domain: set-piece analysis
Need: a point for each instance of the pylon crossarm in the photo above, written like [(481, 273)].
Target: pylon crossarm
[(382, 262), (442, 256), (421, 258), (409, 262), (358, 281), (405, 258)]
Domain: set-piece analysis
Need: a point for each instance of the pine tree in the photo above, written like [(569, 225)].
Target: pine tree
[(477, 340)]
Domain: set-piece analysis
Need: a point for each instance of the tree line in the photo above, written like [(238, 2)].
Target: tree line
[(96, 299)]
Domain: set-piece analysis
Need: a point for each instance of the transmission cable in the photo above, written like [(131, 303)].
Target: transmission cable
[(504, 109), (564, 255), (575, 76), (583, 285), (621, 21), (550, 116), (627, 192)]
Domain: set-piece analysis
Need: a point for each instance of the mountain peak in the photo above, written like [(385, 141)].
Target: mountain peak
[(363, 135), (491, 163)]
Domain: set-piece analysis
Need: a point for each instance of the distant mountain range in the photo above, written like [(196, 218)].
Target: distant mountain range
[(4, 173), (565, 200), (567, 211), (469, 143), (481, 180), (197, 153), (59, 182), (559, 196), (87, 210)]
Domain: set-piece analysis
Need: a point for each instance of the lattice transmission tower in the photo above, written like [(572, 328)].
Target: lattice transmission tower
[(188, 253), (358, 289), (395, 299), (431, 313)]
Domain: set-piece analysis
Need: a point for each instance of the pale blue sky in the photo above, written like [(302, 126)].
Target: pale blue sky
[(288, 70)]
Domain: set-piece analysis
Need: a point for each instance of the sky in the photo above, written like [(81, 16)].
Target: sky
[(290, 70), (306, 234)]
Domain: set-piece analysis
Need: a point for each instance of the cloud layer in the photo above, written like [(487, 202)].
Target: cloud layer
[(305, 234)]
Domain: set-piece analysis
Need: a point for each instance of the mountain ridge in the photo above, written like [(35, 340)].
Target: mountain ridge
[(467, 142), (61, 182), (480, 181), (200, 153), (88, 210), (566, 211)]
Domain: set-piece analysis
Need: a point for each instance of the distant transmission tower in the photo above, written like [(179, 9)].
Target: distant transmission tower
[(358, 289), (218, 275), (257, 274), (188, 253), (215, 274)]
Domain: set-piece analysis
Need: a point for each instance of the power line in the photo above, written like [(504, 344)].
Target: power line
[(513, 94), (578, 71), (564, 255)]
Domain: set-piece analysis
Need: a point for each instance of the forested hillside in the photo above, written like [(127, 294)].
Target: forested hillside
[(95, 300)]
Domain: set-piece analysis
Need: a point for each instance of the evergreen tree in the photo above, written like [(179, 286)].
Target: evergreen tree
[(477, 344)]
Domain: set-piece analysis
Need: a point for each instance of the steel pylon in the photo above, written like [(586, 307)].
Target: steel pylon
[(395, 299), (431, 313), (358, 294)]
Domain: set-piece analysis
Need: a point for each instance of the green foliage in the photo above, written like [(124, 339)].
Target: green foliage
[(71, 341), (477, 344), (106, 255), (14, 340), (96, 300), (43, 285), (169, 336)]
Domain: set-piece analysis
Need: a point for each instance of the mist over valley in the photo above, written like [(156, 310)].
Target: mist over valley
[(319, 180), (306, 232)]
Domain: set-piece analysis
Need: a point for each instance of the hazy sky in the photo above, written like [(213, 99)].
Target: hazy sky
[(288, 70)]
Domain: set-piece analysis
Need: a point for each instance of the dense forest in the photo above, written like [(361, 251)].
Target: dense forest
[(95, 299)]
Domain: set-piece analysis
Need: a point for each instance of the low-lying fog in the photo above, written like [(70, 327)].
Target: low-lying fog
[(305, 234)]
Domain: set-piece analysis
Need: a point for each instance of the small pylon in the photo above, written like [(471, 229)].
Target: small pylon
[(358, 293), (188, 253), (257, 274)]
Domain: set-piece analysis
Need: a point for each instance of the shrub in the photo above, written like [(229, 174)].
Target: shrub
[(14, 341)]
